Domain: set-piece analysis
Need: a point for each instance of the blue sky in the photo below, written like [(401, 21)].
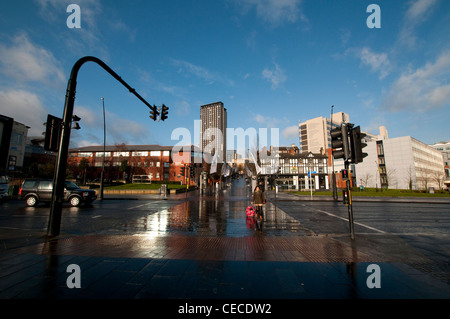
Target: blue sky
[(272, 63)]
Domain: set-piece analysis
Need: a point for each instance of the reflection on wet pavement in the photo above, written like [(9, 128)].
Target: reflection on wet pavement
[(221, 214), (209, 227)]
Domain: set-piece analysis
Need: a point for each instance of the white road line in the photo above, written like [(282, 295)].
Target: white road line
[(346, 219), (97, 216), (134, 207)]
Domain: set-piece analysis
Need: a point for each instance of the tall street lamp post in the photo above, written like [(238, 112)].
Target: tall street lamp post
[(54, 222), (104, 151)]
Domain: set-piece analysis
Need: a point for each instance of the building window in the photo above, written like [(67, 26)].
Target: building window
[(117, 154), (380, 148), (16, 138), (139, 153), (85, 154), (155, 153), (100, 154)]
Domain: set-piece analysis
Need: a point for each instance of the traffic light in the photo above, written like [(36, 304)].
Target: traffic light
[(346, 196), (357, 145), (75, 125), (153, 113), (164, 112), (182, 171), (339, 142), (191, 171), (52, 133), (344, 174)]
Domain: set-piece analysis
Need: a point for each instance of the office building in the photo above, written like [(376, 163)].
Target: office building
[(213, 128), (444, 148), (13, 137), (314, 134), (400, 163)]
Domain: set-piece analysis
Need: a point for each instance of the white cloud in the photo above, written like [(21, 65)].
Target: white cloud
[(417, 13), (26, 108), (123, 130), (275, 12), (421, 89), (118, 129), (84, 143), (88, 117), (290, 132), (259, 118), (377, 62), (276, 76), (270, 122), (188, 68), (27, 62)]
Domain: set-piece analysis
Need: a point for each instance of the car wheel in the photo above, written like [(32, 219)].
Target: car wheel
[(31, 201), (74, 201)]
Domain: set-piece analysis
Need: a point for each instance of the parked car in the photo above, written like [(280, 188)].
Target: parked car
[(34, 191)]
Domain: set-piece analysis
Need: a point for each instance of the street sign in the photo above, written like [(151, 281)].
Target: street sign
[(313, 172)]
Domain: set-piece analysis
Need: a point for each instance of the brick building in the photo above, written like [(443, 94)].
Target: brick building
[(136, 163)]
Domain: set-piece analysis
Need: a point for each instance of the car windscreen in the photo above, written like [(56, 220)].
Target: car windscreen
[(71, 185)]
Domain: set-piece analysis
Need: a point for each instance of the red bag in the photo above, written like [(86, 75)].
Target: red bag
[(250, 211)]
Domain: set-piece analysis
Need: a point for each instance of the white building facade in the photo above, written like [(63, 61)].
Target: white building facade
[(400, 163), (444, 148)]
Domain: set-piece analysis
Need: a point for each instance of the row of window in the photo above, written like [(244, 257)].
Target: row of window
[(138, 164), (302, 170), (304, 161), (123, 154)]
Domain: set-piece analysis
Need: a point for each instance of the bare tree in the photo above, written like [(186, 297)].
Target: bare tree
[(390, 176), (424, 176), (438, 177), (409, 178), (365, 179)]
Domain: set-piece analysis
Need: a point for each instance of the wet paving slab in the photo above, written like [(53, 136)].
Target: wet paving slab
[(207, 248)]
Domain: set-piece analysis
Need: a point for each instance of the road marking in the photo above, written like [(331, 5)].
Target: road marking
[(140, 205), (97, 216), (346, 219)]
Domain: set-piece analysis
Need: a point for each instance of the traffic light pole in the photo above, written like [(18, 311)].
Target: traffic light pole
[(54, 223), (349, 206)]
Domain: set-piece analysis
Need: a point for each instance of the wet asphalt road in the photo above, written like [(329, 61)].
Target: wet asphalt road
[(222, 214)]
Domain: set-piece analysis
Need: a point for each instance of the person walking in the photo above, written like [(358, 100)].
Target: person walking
[(258, 201)]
